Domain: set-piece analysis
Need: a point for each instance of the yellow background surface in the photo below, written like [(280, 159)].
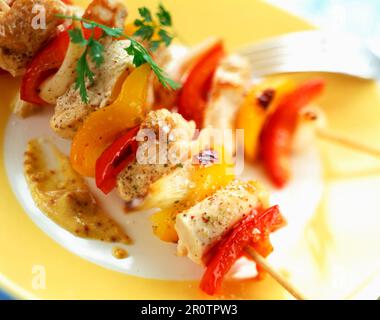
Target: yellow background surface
[(352, 106)]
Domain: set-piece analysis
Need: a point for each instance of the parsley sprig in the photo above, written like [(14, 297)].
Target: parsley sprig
[(95, 50), (154, 30)]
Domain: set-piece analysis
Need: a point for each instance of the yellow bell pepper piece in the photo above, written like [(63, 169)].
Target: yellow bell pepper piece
[(204, 182), (103, 126), (252, 114), (130, 29)]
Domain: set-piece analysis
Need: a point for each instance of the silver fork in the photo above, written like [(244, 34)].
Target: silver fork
[(313, 51)]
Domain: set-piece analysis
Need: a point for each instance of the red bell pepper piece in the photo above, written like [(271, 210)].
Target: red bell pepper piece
[(46, 62), (194, 93), (231, 248), (67, 2), (92, 13), (277, 135), (96, 32), (114, 159)]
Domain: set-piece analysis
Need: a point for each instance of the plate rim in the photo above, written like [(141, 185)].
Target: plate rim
[(10, 286)]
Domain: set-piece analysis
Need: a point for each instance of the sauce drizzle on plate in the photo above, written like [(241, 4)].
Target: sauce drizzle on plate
[(62, 194)]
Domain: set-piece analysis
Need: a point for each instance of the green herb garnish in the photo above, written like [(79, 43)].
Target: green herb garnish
[(95, 50), (157, 29)]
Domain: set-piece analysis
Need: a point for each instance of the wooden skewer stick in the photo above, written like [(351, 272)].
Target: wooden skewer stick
[(275, 274), (347, 142)]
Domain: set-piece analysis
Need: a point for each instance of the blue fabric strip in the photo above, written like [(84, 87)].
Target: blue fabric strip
[(4, 296)]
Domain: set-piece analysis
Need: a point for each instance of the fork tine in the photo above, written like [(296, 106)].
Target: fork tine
[(327, 63), (307, 64), (281, 41), (312, 51), (310, 45), (311, 56), (317, 38)]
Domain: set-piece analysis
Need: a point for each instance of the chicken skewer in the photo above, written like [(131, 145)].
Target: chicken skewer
[(226, 97), (196, 231), (206, 221), (228, 76), (202, 224), (231, 75)]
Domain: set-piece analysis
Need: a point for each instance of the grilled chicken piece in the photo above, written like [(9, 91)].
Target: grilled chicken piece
[(227, 92), (57, 84), (134, 182), (71, 111), (112, 13), (19, 37), (204, 224)]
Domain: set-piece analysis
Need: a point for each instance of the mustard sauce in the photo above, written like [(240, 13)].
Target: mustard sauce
[(63, 195)]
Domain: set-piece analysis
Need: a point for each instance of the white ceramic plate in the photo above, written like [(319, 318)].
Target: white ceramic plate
[(150, 257)]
